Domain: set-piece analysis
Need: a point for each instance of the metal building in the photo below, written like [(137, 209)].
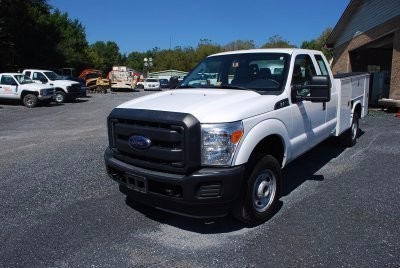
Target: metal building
[(367, 39)]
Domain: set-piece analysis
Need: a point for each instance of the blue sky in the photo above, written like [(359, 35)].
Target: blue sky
[(143, 25)]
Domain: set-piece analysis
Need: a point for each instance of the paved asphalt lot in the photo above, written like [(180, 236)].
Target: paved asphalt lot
[(340, 207)]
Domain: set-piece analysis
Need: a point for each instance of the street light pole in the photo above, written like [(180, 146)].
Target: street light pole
[(148, 63)]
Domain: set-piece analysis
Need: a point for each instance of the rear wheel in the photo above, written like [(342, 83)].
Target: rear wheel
[(30, 100), (261, 193), (349, 137)]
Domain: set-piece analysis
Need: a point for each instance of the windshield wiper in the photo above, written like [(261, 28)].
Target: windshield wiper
[(187, 86), (232, 87)]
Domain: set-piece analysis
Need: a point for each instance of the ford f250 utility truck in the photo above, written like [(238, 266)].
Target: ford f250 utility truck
[(16, 86), (64, 89), (214, 146)]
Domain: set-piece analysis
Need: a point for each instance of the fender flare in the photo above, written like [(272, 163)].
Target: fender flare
[(59, 89), (355, 104), (259, 132)]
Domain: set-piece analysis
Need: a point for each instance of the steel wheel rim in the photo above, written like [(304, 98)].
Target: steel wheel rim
[(29, 101), (59, 98), (264, 190)]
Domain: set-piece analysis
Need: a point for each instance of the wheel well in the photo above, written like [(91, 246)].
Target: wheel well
[(59, 89), (272, 145), (24, 93), (357, 110)]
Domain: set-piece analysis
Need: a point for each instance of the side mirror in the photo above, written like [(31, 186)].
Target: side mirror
[(44, 80), (318, 90)]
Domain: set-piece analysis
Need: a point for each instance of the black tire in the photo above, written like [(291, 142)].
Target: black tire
[(261, 192), (349, 137), (30, 100), (60, 97)]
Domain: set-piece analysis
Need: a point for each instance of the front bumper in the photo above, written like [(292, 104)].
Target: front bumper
[(83, 91), (208, 192), (43, 98)]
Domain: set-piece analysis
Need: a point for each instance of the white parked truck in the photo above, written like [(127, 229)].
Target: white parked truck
[(16, 86), (214, 146), (64, 89)]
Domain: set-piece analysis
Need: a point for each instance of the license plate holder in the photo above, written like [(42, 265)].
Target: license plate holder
[(136, 183)]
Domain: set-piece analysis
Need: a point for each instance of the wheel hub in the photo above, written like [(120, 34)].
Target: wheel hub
[(264, 191)]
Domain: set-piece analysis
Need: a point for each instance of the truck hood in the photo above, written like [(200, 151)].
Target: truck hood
[(207, 105), (61, 83), (34, 86)]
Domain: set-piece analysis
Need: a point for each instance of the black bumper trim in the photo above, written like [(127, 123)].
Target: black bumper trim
[(179, 193)]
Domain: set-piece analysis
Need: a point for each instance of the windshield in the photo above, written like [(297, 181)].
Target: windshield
[(23, 79), (262, 72), (52, 76)]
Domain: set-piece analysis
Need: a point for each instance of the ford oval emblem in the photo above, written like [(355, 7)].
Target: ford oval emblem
[(139, 142)]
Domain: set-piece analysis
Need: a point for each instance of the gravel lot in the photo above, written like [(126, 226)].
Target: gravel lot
[(58, 208)]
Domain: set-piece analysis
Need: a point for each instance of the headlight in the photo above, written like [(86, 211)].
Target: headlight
[(219, 142)]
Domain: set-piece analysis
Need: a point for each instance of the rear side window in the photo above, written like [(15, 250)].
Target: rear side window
[(321, 65)]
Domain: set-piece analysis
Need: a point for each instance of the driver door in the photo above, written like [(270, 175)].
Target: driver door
[(308, 117), (8, 87)]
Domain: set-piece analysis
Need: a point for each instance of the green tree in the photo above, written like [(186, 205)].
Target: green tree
[(319, 43), (32, 36), (239, 44), (23, 34), (135, 61), (72, 43), (104, 55), (277, 41), (205, 48)]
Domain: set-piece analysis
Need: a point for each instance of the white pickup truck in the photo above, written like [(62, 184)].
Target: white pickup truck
[(16, 86), (64, 89), (211, 147)]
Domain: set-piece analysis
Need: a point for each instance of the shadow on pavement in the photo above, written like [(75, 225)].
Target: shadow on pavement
[(302, 169)]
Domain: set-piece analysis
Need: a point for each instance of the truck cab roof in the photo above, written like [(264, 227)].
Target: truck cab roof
[(269, 50)]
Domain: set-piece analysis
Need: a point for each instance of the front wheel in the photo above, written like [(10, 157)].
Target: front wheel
[(261, 193), (30, 100), (60, 97)]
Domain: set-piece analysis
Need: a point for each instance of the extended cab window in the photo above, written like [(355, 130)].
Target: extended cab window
[(321, 64)]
